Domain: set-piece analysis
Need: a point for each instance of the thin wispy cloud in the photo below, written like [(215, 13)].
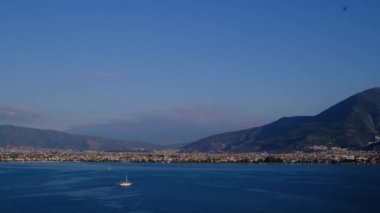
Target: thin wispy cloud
[(15, 115), (171, 125)]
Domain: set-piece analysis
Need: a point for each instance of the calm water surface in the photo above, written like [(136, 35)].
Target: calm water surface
[(92, 187)]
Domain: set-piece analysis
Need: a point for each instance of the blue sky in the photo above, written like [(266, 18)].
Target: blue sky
[(175, 71)]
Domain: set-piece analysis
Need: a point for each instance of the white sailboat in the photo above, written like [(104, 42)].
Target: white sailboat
[(126, 183)]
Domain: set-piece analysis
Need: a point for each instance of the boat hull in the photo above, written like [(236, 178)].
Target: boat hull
[(125, 184)]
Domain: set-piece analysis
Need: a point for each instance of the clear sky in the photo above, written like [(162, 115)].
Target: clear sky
[(175, 71)]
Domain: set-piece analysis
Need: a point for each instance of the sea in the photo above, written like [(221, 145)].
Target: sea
[(156, 187)]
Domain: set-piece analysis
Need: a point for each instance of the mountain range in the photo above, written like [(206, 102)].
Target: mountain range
[(15, 136), (353, 123)]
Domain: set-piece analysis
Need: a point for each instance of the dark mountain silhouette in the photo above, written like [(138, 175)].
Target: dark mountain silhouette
[(14, 136), (353, 123)]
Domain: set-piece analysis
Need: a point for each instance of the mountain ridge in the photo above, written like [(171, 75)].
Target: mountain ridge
[(352, 123), (17, 136)]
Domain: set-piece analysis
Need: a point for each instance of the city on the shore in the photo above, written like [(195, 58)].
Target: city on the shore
[(332, 155)]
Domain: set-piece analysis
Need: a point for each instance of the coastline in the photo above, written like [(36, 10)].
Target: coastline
[(175, 156)]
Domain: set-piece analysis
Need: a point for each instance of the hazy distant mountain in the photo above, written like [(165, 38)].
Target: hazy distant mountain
[(353, 123), (14, 136)]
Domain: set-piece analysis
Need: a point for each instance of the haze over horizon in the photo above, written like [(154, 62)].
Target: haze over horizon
[(171, 71)]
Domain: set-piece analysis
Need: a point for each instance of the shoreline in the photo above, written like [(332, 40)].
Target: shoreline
[(175, 156)]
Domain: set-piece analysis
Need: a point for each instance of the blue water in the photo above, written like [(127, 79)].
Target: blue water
[(91, 187)]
